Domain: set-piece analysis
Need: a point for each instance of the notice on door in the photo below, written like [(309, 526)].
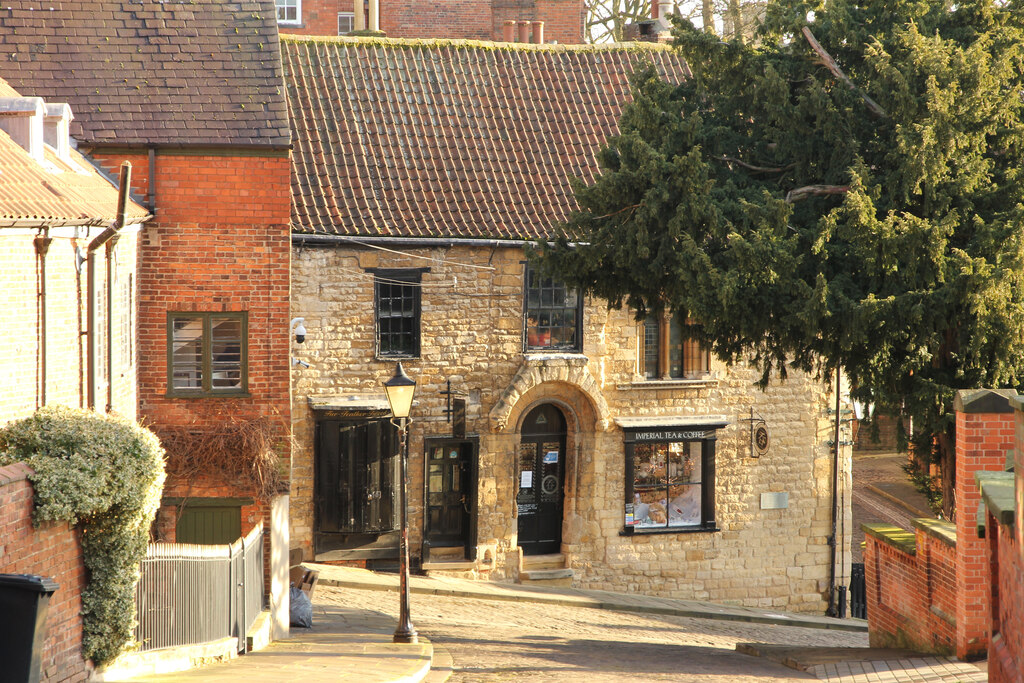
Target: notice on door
[(551, 458), (526, 480)]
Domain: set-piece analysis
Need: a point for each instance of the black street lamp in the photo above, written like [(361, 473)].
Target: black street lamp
[(399, 390)]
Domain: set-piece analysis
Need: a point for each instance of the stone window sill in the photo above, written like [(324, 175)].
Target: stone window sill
[(669, 384), (628, 531)]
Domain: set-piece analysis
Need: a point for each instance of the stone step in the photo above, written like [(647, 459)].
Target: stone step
[(448, 565), (458, 552), (546, 574), (552, 561)]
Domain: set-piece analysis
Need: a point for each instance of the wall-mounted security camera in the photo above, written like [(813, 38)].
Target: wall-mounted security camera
[(296, 361), (299, 330)]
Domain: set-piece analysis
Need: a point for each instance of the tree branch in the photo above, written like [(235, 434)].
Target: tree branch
[(751, 167), (814, 190), (830, 64)]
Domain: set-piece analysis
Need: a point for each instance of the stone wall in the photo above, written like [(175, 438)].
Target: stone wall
[(471, 327)]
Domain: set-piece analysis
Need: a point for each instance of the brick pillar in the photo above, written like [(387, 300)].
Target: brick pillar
[(984, 434)]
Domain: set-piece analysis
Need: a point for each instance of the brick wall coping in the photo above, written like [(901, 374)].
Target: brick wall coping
[(901, 539), (17, 471), (985, 400), (997, 493), (937, 528), (1017, 403)]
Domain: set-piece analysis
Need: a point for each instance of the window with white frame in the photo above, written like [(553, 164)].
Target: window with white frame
[(289, 11), (346, 23)]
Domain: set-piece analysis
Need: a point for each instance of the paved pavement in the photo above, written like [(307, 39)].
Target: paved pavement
[(882, 493), (489, 632)]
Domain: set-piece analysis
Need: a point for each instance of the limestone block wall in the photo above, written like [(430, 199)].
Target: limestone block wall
[(471, 334)]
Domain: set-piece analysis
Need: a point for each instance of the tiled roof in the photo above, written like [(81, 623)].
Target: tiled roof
[(56, 192), (205, 72), (449, 139)]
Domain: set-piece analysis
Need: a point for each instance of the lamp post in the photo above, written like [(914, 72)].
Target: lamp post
[(399, 390)]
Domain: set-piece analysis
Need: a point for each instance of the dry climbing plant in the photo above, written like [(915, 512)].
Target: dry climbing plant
[(239, 450)]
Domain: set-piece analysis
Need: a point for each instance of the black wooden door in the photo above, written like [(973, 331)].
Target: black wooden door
[(541, 481), (449, 494), (355, 476)]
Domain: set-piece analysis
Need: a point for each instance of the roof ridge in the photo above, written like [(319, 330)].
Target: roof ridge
[(382, 41)]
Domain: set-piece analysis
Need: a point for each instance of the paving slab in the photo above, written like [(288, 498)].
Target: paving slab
[(867, 665), (343, 645)]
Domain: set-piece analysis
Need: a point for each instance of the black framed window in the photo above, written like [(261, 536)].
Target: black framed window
[(670, 481), (207, 353), (553, 315), (396, 303)]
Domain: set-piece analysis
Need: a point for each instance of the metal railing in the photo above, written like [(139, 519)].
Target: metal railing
[(189, 594)]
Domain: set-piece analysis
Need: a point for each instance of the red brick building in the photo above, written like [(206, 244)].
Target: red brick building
[(72, 324), (192, 95), (523, 21)]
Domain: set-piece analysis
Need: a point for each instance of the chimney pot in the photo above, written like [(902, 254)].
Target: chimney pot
[(538, 32), (508, 31), (22, 119), (524, 31)]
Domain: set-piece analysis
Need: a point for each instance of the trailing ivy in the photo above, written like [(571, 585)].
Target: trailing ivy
[(105, 474)]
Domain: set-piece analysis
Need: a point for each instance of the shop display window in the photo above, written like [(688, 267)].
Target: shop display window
[(670, 483)]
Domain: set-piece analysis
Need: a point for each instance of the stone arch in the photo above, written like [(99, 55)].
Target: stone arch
[(571, 371)]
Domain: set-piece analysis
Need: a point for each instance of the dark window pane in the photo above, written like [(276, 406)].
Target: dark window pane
[(398, 309), (187, 353), (651, 347), (551, 314)]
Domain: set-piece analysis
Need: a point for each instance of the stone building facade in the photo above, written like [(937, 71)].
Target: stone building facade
[(552, 439), (472, 335)]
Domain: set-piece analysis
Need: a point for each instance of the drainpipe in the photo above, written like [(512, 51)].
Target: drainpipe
[(42, 244), (833, 605), (108, 237)]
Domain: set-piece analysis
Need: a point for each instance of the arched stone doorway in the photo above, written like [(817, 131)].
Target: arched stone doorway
[(541, 483)]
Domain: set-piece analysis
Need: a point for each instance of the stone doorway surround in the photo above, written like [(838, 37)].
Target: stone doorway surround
[(565, 381)]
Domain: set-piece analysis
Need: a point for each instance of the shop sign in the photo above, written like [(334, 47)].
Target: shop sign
[(665, 435)]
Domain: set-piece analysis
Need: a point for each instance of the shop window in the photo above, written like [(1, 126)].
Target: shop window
[(669, 351), (397, 305), (207, 353), (669, 481), (553, 316), (289, 11)]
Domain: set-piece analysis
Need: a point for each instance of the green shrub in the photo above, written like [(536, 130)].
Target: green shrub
[(105, 474)]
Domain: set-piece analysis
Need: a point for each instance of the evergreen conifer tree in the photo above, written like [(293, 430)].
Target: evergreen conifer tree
[(845, 193)]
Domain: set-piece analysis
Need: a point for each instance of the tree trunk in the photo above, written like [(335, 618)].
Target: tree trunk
[(707, 15)]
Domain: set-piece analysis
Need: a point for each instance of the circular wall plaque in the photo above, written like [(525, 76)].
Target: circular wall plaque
[(761, 439)]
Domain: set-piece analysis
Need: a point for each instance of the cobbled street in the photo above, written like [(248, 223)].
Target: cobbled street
[(502, 641)]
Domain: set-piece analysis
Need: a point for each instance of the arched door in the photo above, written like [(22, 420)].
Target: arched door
[(541, 480)]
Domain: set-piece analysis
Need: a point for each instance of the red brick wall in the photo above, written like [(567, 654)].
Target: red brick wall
[(982, 440), (911, 597), (1006, 648), (21, 363), (462, 19), (220, 242), (51, 551)]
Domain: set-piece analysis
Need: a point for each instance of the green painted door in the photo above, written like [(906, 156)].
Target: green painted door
[(210, 524)]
